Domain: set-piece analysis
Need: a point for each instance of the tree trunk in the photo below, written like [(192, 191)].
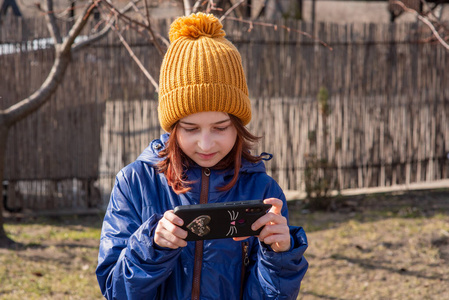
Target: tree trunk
[(4, 129), (64, 49), (19, 111)]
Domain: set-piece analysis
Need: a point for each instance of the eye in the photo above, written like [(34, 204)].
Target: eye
[(190, 129), (221, 128)]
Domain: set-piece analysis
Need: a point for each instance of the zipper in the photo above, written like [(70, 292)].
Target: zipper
[(245, 263), (205, 173)]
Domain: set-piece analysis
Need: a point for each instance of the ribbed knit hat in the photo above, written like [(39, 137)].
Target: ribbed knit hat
[(201, 71)]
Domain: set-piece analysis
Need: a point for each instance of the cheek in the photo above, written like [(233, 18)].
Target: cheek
[(231, 140), (183, 142)]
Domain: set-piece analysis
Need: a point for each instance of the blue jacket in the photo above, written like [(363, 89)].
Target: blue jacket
[(132, 266)]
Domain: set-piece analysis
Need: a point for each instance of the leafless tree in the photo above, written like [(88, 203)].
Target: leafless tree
[(64, 48)]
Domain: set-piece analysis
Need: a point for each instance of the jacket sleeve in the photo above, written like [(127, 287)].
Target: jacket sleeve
[(275, 275), (130, 265)]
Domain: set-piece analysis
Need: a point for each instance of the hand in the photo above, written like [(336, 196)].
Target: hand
[(168, 234), (276, 232)]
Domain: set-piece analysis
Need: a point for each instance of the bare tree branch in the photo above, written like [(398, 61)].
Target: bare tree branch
[(425, 21), (30, 104), (99, 35), (93, 38), (150, 30), (154, 39), (163, 39), (134, 57), (212, 6), (275, 27), (135, 24), (196, 6), (231, 9), (51, 23), (431, 12), (131, 22), (147, 11), (77, 28)]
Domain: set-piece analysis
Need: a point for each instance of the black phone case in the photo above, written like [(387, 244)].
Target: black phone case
[(221, 220)]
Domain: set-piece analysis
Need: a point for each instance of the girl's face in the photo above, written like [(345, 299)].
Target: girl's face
[(206, 137)]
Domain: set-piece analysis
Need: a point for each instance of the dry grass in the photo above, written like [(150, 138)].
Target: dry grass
[(383, 247), (56, 260), (372, 247)]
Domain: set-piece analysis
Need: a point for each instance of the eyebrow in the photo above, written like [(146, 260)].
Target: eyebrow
[(215, 123)]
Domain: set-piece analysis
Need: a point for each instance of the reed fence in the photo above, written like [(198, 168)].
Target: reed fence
[(370, 109)]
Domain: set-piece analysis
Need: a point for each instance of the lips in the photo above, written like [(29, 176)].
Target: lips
[(207, 156)]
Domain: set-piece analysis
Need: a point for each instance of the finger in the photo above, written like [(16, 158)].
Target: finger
[(276, 238), (163, 242), (276, 205), (267, 219), (270, 230), (278, 242), (168, 239), (173, 229), (168, 234), (170, 216), (171, 222)]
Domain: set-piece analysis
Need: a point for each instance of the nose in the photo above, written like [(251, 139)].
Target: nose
[(205, 142)]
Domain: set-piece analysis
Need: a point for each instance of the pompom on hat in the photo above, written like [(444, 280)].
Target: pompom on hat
[(201, 71)]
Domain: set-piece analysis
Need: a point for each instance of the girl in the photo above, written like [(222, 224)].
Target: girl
[(205, 158)]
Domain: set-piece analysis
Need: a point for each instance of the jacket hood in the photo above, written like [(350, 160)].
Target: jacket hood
[(151, 156), (151, 153)]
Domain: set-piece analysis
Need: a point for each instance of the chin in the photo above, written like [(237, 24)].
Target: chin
[(207, 164)]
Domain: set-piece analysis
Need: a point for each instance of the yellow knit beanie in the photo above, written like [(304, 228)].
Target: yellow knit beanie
[(201, 71)]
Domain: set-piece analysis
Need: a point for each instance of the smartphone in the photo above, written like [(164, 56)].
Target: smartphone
[(221, 220)]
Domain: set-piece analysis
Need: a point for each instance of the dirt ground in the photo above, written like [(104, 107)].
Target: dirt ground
[(387, 246)]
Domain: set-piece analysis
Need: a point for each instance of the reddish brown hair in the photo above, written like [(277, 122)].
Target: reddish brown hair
[(176, 162)]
